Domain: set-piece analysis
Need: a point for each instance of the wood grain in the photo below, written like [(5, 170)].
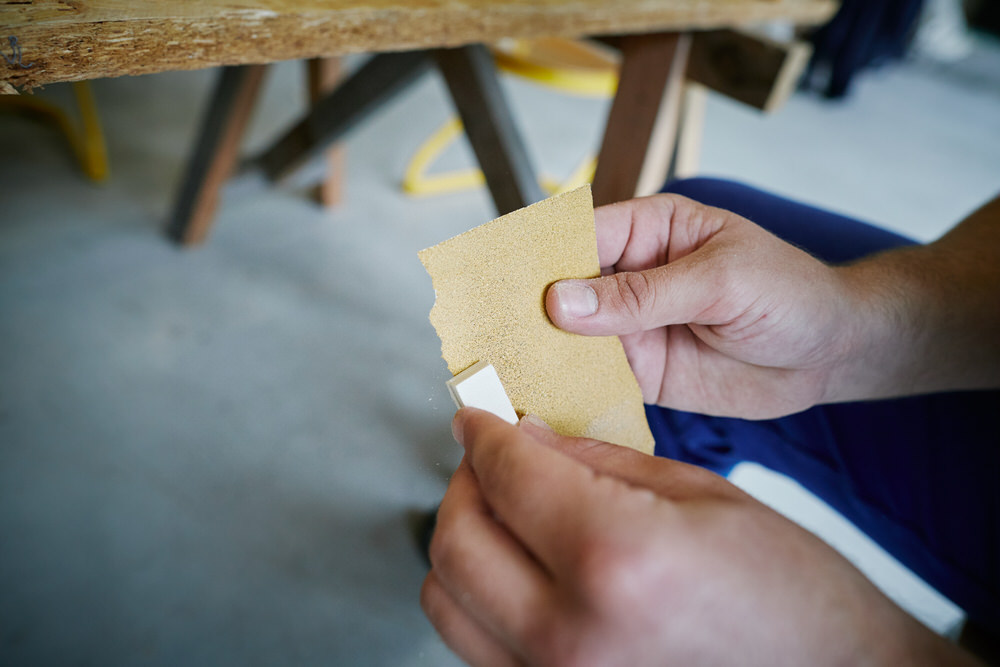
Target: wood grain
[(70, 40)]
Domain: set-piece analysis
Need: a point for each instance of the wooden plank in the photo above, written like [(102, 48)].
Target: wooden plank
[(216, 152), (472, 81), (749, 68), (70, 40), (323, 76), (641, 130), (692, 129), (376, 82), (662, 144)]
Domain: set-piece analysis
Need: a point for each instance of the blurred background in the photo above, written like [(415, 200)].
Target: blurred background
[(214, 456)]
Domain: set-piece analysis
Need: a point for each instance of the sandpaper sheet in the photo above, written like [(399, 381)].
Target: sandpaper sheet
[(490, 284)]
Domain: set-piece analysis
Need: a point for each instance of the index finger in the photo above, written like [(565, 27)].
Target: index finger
[(635, 231), (643, 233)]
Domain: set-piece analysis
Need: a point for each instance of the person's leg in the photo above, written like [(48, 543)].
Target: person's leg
[(920, 475)]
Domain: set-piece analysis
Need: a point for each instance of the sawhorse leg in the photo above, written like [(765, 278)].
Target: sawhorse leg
[(324, 74), (375, 83), (641, 132), (475, 89), (216, 152), (472, 81)]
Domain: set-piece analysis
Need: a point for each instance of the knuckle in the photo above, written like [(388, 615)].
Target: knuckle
[(442, 550), (428, 600), (634, 291), (508, 468), (435, 604), (606, 574), (436, 550)]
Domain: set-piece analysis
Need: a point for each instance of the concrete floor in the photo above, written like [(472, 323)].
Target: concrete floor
[(209, 456)]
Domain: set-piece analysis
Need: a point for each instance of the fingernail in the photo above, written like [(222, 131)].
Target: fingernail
[(536, 421), (575, 298)]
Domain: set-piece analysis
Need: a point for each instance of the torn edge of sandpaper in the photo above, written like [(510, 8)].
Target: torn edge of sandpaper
[(490, 284)]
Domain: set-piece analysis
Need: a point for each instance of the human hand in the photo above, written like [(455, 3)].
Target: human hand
[(716, 314), (552, 550)]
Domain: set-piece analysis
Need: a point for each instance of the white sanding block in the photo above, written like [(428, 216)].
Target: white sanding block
[(479, 386)]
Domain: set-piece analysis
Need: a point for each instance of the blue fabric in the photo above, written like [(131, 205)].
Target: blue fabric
[(864, 32), (919, 475)]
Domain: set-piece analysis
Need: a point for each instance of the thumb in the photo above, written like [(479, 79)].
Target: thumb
[(631, 301)]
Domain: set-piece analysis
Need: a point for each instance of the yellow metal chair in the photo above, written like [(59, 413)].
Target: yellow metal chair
[(85, 140)]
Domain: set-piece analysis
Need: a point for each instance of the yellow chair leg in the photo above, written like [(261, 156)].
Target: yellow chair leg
[(86, 142), (416, 181), (91, 149)]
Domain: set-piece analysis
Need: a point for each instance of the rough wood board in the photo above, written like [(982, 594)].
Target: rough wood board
[(71, 40), (490, 284)]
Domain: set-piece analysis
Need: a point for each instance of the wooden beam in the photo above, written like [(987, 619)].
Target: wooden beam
[(642, 125), (377, 82), (472, 80), (752, 69), (692, 130), (65, 40), (323, 76), (215, 153)]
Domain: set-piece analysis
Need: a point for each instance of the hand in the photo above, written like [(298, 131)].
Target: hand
[(717, 315), (561, 551)]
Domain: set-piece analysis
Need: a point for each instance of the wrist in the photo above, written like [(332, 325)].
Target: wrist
[(919, 319), (879, 335)]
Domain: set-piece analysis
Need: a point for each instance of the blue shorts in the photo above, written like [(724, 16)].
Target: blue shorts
[(919, 475)]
